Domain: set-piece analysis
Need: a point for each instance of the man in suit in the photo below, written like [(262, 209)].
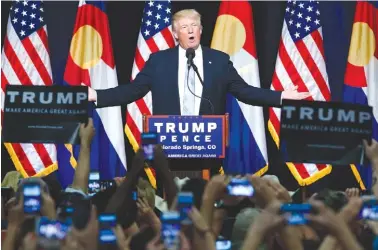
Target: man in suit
[(177, 92)]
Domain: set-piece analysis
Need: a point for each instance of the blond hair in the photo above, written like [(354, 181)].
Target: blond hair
[(189, 13)]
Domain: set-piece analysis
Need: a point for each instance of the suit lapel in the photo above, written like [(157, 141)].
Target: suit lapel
[(207, 76), (172, 81)]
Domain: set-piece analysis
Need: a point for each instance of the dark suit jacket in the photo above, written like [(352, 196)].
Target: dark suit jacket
[(160, 76)]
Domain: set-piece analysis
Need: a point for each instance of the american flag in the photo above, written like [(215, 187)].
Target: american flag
[(25, 60), (301, 62), (155, 35)]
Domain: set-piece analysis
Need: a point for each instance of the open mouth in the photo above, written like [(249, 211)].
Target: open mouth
[(191, 38)]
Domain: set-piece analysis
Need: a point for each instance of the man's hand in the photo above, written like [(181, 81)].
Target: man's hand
[(268, 219), (293, 94), (371, 150), (216, 187), (198, 221), (92, 95), (87, 132)]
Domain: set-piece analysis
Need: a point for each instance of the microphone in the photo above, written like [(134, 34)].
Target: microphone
[(190, 54)]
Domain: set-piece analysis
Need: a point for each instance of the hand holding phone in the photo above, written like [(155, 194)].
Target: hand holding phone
[(171, 227), (222, 244), (32, 198), (369, 209), (51, 229), (184, 204), (240, 187), (148, 141), (93, 183), (295, 213)]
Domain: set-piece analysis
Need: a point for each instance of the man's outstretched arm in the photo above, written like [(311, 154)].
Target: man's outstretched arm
[(258, 96), (125, 93)]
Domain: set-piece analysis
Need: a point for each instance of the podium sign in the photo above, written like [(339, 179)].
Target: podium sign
[(189, 136), (44, 114), (324, 132)]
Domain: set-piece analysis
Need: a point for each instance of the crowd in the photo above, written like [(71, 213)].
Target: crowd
[(129, 215)]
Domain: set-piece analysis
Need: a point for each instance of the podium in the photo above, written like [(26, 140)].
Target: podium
[(193, 144)]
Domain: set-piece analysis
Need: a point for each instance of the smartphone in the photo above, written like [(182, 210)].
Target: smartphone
[(32, 198), (223, 244), (107, 222), (369, 210), (170, 233), (94, 183), (134, 195), (184, 204), (51, 229), (148, 141), (240, 187), (295, 213)]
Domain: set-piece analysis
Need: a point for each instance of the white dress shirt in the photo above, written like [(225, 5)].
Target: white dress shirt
[(198, 61)]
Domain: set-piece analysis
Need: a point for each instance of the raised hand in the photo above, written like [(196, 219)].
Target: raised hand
[(123, 241), (371, 151), (87, 132), (352, 192)]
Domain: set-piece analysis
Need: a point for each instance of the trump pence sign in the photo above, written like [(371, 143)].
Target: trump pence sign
[(190, 136)]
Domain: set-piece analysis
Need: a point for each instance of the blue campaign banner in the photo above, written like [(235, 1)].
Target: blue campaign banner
[(190, 136)]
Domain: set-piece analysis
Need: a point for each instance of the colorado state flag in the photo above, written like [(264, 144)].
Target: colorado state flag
[(234, 35), (361, 76), (90, 62)]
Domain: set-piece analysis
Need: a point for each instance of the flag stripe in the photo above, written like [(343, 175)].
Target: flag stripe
[(26, 164), (41, 150), (160, 41), (134, 130), (35, 58), (33, 152), (43, 37), (37, 41), (139, 62), (314, 70), (318, 39), (143, 48), (152, 45), (16, 64), (291, 69), (167, 34), (4, 82)]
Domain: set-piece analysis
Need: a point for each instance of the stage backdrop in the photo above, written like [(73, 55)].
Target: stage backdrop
[(125, 18)]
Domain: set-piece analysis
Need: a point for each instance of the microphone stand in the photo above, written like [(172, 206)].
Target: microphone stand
[(191, 63)]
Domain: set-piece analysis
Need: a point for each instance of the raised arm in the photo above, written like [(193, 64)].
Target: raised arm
[(125, 93)]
